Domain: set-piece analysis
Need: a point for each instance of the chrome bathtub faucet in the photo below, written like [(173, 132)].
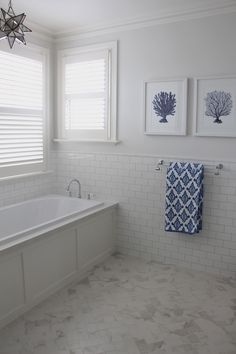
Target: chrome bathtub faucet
[(75, 180)]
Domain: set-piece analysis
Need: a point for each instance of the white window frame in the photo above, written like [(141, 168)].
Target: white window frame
[(24, 169), (111, 121)]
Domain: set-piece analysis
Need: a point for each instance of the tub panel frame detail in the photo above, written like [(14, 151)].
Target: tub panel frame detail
[(49, 262), (41, 266), (12, 292)]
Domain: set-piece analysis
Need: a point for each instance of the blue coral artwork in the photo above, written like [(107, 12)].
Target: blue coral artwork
[(219, 104), (215, 106), (164, 106)]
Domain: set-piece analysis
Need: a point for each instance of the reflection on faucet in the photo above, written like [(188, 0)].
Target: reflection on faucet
[(75, 180)]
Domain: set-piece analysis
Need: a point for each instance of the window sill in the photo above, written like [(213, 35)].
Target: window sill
[(33, 174), (115, 142)]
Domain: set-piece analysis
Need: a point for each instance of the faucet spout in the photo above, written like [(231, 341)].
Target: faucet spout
[(74, 180)]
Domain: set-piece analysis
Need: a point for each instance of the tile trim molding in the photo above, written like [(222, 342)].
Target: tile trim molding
[(140, 155)]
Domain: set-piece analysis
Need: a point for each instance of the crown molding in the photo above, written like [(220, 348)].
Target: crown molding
[(49, 36), (40, 32), (142, 22)]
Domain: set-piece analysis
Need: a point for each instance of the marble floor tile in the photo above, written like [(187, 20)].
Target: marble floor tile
[(129, 306)]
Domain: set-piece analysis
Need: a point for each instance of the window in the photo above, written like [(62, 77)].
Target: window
[(87, 93), (22, 112)]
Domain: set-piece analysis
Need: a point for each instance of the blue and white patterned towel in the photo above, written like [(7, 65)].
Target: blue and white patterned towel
[(184, 197)]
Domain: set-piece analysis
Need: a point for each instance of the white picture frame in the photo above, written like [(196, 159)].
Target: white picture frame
[(215, 106), (161, 96)]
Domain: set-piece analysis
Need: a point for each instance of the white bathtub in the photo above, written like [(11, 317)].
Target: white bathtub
[(45, 244), (26, 218)]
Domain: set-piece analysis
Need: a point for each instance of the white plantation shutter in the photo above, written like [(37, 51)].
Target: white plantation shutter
[(86, 95), (21, 114)]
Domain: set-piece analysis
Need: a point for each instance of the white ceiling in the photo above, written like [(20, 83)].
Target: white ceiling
[(65, 15)]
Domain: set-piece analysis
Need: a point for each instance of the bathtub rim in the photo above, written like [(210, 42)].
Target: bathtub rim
[(30, 234), (45, 196)]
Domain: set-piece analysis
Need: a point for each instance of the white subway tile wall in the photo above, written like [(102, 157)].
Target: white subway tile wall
[(17, 190), (140, 190)]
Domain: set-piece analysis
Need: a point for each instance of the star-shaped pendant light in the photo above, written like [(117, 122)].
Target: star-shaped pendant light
[(12, 27)]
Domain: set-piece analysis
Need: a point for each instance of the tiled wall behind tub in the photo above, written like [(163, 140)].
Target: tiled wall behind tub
[(19, 189), (133, 181)]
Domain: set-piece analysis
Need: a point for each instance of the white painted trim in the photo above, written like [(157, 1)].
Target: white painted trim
[(47, 107), (62, 55), (39, 29), (87, 48), (142, 22), (39, 35), (41, 32), (195, 99), (87, 141)]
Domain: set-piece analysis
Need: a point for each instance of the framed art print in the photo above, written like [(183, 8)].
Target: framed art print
[(215, 106), (165, 106)]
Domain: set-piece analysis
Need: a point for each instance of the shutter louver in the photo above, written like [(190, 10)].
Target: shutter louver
[(21, 110), (86, 95)]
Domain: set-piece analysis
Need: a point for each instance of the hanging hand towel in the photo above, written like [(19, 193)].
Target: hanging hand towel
[(184, 197)]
